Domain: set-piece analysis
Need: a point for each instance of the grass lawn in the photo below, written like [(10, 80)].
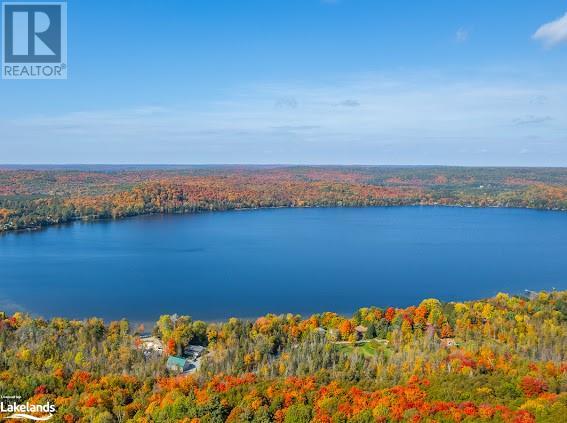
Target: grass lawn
[(369, 349)]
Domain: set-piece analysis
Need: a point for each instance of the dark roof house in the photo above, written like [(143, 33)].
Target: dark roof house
[(193, 351)]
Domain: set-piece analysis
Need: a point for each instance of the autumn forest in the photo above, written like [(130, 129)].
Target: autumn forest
[(503, 359), (33, 198), (500, 359)]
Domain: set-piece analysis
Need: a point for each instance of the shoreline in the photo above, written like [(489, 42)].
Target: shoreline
[(525, 293), (245, 209)]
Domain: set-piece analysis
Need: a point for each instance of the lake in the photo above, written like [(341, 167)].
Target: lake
[(247, 263)]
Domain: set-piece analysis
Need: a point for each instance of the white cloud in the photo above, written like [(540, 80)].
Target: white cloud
[(552, 33), (400, 117), (349, 103), (462, 35), (532, 120)]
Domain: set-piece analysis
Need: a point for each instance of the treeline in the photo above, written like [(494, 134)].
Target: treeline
[(32, 199), (503, 359), (197, 194)]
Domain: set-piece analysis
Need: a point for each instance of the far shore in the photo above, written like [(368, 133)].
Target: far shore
[(90, 219)]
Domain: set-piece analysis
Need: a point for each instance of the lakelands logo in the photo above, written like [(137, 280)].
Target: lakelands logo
[(34, 44), (26, 411)]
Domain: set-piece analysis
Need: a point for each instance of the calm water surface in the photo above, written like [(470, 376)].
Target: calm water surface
[(215, 265)]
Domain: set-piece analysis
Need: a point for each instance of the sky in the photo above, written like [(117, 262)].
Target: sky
[(449, 82)]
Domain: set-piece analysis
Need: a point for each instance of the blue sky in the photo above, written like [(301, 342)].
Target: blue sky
[(457, 82)]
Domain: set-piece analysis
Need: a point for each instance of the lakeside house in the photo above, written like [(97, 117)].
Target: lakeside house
[(189, 362), (193, 352), (360, 331), (178, 364), (151, 344)]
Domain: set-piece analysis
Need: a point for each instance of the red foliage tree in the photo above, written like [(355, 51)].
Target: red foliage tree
[(532, 387)]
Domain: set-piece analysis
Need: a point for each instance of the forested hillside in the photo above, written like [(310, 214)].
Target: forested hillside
[(34, 198), (503, 359)]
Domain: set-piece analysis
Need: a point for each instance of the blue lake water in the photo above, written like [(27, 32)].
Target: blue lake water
[(216, 265)]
